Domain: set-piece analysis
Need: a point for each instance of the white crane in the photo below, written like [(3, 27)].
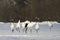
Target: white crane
[(31, 25), (23, 25), (12, 27), (50, 25), (26, 25), (18, 26), (37, 27)]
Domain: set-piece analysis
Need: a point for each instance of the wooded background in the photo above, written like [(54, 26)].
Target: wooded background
[(33, 10)]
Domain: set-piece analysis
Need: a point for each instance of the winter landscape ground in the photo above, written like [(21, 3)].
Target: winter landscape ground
[(43, 34)]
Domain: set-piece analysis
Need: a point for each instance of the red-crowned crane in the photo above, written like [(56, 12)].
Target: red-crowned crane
[(18, 26), (37, 27), (12, 27), (50, 25), (26, 24)]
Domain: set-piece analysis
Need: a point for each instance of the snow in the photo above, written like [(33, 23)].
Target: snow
[(43, 34)]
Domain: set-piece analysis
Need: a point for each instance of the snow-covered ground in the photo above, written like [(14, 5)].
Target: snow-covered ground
[(43, 34)]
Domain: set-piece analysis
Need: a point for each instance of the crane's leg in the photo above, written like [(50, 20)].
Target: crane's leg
[(50, 29), (31, 30), (26, 30), (18, 29), (37, 30)]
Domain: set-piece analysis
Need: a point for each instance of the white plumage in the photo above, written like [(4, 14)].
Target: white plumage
[(18, 25), (30, 25), (27, 21), (37, 26), (12, 27), (50, 25), (23, 25)]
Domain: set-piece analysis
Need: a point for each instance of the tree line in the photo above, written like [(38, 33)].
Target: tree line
[(33, 10)]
